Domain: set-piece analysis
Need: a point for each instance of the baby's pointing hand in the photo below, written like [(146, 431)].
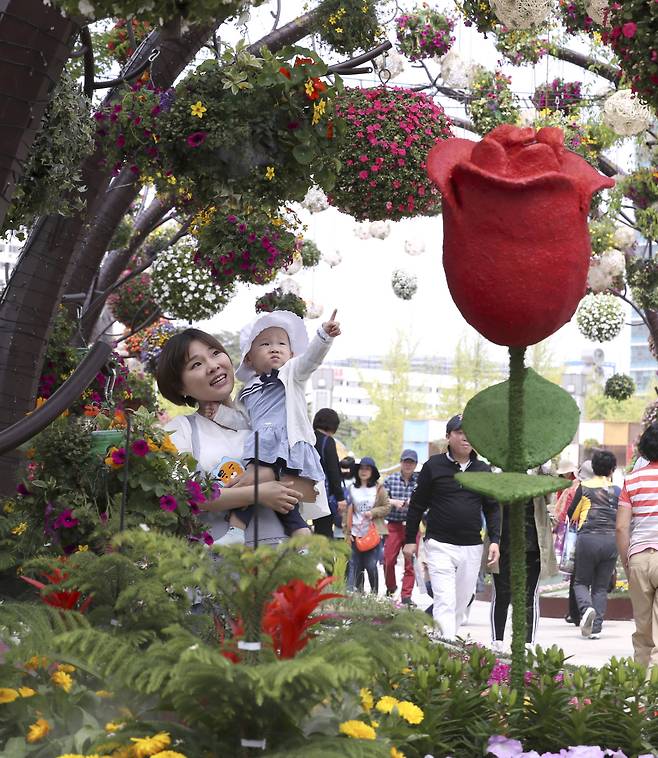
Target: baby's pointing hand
[(332, 327)]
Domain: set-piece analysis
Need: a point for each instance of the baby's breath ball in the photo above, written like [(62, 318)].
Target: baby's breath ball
[(289, 285), (600, 318), (598, 279), (315, 200), (185, 290), (613, 262), (404, 284), (597, 11), (626, 114), (414, 247), (389, 65), (521, 14), (313, 309), (362, 230), (624, 237), (380, 229), (455, 70), (332, 259)]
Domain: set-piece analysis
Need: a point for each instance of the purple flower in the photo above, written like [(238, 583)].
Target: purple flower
[(140, 448), (207, 538), (119, 456), (168, 503), (66, 520), (22, 489), (196, 494), (196, 138), (504, 747), (167, 99)]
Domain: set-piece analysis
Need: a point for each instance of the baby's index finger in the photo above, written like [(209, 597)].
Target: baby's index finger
[(333, 315)]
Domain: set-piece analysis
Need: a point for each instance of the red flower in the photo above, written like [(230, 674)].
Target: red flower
[(301, 61), (283, 70), (196, 138), (629, 29), (64, 599), (516, 246), (287, 618)]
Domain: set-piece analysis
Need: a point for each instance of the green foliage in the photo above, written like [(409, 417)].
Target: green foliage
[(310, 253), (492, 102), (52, 181), (642, 278), (479, 14), (522, 46), (281, 301), (381, 438), (602, 234), (598, 407), (349, 25), (619, 387), (510, 487), (192, 10)]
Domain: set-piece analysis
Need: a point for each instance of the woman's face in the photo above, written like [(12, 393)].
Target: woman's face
[(207, 375), (365, 472)]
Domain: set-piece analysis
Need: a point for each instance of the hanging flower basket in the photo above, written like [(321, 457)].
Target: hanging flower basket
[(118, 43), (479, 14), (619, 387), (626, 114), (185, 290), (521, 14), (147, 344), (557, 95), (313, 309), (249, 248), (642, 278), (414, 247), (575, 17), (315, 200), (520, 46), (380, 229), (277, 300), (585, 137), (600, 318), (103, 439), (310, 253), (389, 133), (134, 303), (404, 284), (456, 70), (493, 102), (424, 33), (350, 25), (606, 270), (192, 10)]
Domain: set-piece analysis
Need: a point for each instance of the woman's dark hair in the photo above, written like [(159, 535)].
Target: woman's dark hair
[(326, 420), (172, 360), (346, 462), (374, 475), (648, 444), (603, 462)]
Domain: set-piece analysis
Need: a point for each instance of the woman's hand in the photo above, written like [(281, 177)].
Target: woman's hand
[(279, 496), (367, 515)]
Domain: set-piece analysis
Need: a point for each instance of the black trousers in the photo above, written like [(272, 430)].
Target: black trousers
[(324, 526), (502, 595)]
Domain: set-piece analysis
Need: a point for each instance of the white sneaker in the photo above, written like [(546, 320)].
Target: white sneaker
[(233, 536), (587, 621), (498, 646)]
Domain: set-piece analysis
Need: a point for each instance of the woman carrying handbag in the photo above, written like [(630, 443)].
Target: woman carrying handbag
[(365, 522)]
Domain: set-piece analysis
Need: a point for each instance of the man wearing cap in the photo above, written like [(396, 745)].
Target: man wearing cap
[(400, 487), (453, 541)]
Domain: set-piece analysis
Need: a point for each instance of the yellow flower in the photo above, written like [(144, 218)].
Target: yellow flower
[(26, 691), (8, 695), (366, 699), (410, 712), (8, 507), (318, 111), (20, 529), (168, 446), (37, 661), (198, 109), (358, 730), (309, 87), (171, 179), (269, 173), (169, 754), (62, 679), (83, 548), (38, 730), (339, 30), (112, 727), (66, 668), (146, 746), (386, 704), (374, 724), (395, 753), (103, 693)]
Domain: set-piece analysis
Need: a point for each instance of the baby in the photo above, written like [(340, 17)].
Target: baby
[(277, 360)]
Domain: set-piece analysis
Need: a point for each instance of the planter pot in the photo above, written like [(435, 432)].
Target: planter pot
[(106, 438)]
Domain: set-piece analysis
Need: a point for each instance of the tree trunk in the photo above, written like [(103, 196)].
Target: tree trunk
[(35, 42)]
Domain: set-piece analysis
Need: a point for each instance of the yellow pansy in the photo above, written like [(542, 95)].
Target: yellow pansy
[(410, 712), (318, 111), (395, 753), (358, 730), (198, 109), (366, 699), (386, 704), (8, 507), (19, 529), (66, 668), (147, 746), (38, 730), (269, 173), (339, 30), (8, 695), (83, 548), (62, 679), (171, 179), (168, 446), (309, 87), (26, 691)]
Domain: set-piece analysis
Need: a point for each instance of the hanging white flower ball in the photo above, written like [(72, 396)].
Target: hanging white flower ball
[(600, 318), (315, 200), (414, 247), (598, 279), (295, 266), (624, 237), (625, 114), (184, 289), (613, 262), (455, 70), (391, 64), (362, 230), (521, 14), (289, 285), (313, 309), (332, 259), (404, 284), (596, 10), (380, 229)]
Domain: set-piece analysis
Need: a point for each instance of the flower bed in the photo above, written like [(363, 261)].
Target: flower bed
[(389, 133)]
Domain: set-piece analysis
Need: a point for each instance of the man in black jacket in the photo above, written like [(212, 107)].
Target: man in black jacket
[(453, 541), (325, 425)]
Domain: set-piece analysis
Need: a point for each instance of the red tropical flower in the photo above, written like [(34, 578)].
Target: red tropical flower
[(66, 600)]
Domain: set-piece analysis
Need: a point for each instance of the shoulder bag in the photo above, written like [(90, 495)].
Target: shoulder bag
[(370, 540)]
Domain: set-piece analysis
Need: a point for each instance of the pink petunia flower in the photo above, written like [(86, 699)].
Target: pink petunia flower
[(196, 139), (119, 456), (168, 503), (629, 29), (140, 448)]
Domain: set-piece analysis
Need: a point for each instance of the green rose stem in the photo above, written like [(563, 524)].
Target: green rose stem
[(517, 518)]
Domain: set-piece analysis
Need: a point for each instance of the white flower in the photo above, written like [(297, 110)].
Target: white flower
[(295, 266), (455, 70), (380, 229), (86, 8), (600, 318), (313, 309), (414, 247), (332, 259), (596, 10), (315, 200), (362, 230), (624, 237), (289, 285), (404, 284), (613, 262), (598, 280)]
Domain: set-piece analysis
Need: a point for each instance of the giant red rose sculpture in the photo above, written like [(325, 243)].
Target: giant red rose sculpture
[(516, 246)]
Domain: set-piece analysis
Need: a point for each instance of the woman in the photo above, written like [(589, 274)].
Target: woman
[(594, 510), (195, 369), (369, 503)]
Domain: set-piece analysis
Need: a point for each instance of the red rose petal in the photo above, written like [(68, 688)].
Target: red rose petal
[(533, 160)]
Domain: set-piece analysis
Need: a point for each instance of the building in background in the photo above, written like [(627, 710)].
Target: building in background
[(642, 364), (586, 374), (9, 252)]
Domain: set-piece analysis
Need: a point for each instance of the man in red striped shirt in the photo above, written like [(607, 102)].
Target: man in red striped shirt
[(637, 541)]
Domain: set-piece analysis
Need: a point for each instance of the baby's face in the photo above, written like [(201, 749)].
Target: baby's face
[(271, 349)]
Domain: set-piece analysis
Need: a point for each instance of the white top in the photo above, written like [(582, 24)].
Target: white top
[(363, 500)]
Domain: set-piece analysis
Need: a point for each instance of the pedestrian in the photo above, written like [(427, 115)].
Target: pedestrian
[(637, 541), (369, 504), (400, 487), (594, 511), (453, 541), (540, 563), (325, 426)]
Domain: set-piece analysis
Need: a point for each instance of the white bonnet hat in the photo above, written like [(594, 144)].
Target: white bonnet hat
[(290, 322)]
